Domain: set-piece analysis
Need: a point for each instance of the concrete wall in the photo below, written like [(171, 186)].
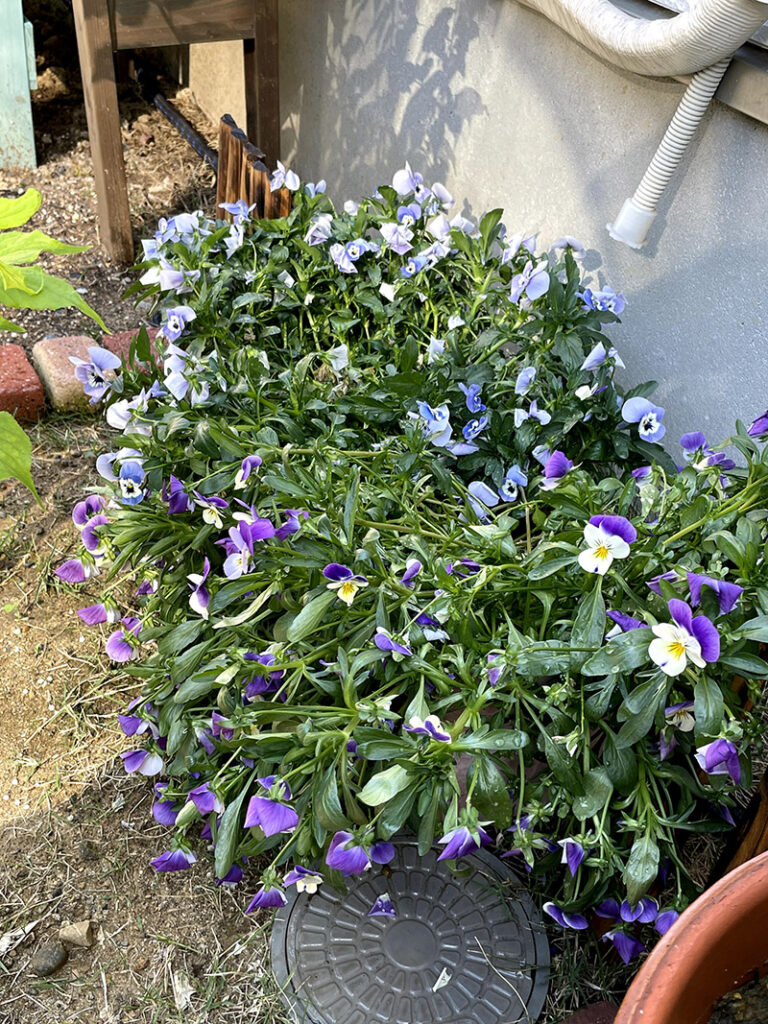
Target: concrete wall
[(508, 111), (216, 78)]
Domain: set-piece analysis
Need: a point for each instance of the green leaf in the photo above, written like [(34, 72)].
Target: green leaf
[(196, 686), (380, 745), (383, 786), (597, 792), (488, 225), (589, 625), (708, 707), (642, 868), (491, 793), (395, 813), (496, 739), (228, 834), (249, 612), (544, 658), (310, 617), (544, 569), (754, 629), (622, 654), (748, 665), (325, 801), (180, 636), (427, 824), (16, 454), (25, 246), (54, 293), (620, 764), (15, 212)]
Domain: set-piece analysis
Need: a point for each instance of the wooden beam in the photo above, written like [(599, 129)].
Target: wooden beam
[(94, 44), (140, 23), (262, 81)]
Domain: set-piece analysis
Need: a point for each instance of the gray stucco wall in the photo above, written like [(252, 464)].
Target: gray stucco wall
[(506, 110)]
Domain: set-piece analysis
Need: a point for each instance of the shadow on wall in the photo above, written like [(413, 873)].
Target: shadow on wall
[(390, 88)]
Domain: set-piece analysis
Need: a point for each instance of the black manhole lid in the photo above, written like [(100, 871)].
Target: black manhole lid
[(461, 950)]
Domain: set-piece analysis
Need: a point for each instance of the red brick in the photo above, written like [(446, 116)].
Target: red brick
[(21, 392), (51, 359), (597, 1013), (120, 343)]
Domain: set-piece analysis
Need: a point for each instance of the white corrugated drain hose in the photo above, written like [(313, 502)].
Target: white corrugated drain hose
[(638, 212)]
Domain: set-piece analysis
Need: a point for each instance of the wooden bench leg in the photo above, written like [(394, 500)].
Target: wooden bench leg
[(262, 81), (94, 43)]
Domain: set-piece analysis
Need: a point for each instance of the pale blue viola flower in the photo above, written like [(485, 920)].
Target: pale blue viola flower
[(472, 395), (525, 379), (565, 918), (496, 667), (686, 638), (234, 240), (397, 237), (412, 266), (351, 207), (573, 854), (96, 373), (247, 466), (406, 180), (340, 257), (720, 758), (475, 427), (647, 416), (430, 726), (541, 453), (283, 178), (531, 283), (382, 907), (433, 254), (606, 300), (344, 582), (177, 319), (598, 356), (441, 194), (314, 189), (439, 227), (481, 498), (555, 469), (240, 210), (320, 229), (577, 248), (513, 479), (436, 422), (533, 413), (200, 598), (338, 357), (436, 350), (608, 538), (174, 860), (304, 879), (130, 480), (408, 215)]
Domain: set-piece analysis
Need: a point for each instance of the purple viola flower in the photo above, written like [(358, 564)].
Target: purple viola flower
[(212, 506), (720, 758), (240, 210), (345, 854), (344, 581), (249, 463), (176, 496), (653, 583), (382, 907), (96, 613), (397, 237), (200, 598), (96, 372), (174, 860), (533, 413), (165, 812), (87, 508), (304, 879), (573, 854), (118, 646), (176, 321), (606, 300), (239, 549), (647, 416), (292, 524), (569, 242), (472, 396), (565, 918), (598, 356), (406, 180), (693, 442), (665, 920), (134, 725), (412, 569), (218, 730), (269, 812), (463, 568), (531, 283), (641, 473), (129, 480), (267, 681), (760, 426), (644, 911), (142, 761), (205, 800), (460, 841), (267, 898), (283, 178), (233, 877), (555, 469), (524, 380), (686, 637), (91, 540), (386, 643), (409, 214), (624, 622), (496, 667), (727, 593), (627, 946), (430, 726), (75, 570)]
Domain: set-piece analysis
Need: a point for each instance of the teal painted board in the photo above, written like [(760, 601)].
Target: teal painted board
[(29, 43), (17, 137)]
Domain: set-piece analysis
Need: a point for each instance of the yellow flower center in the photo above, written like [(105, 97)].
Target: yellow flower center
[(348, 590), (676, 648), (602, 551)]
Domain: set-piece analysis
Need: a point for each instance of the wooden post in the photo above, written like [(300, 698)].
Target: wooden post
[(226, 124), (262, 80), (94, 44)]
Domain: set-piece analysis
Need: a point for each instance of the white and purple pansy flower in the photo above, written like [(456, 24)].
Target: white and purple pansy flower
[(292, 524), (142, 761), (531, 283), (352, 856), (382, 907), (397, 237), (462, 840), (212, 507), (514, 478), (412, 569), (409, 214), (565, 918), (97, 372), (686, 638), (720, 758), (92, 542), (680, 716), (572, 855), (176, 321), (345, 582), (76, 570), (556, 467), (105, 464), (98, 613), (430, 726), (607, 537), (130, 480), (269, 812), (727, 593), (412, 266), (304, 879), (647, 416), (320, 229), (386, 642), (247, 466), (174, 860), (200, 598), (122, 644)]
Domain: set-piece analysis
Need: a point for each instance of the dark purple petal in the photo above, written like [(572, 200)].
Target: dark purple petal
[(626, 945), (93, 614), (727, 593), (386, 643), (617, 526), (557, 465), (693, 441), (665, 920), (626, 622), (382, 853), (382, 907), (708, 637), (608, 909), (72, 571), (267, 898), (271, 815), (653, 584), (681, 613), (337, 573), (173, 860), (164, 812), (349, 861), (564, 918)]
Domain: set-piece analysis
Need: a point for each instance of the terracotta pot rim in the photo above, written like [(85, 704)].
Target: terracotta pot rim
[(700, 952)]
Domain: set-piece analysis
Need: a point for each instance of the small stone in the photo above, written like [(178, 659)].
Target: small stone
[(48, 958), (141, 964), (78, 934), (87, 851)]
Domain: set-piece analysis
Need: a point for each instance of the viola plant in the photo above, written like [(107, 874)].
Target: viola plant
[(393, 574)]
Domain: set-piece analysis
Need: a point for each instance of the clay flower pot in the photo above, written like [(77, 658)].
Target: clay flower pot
[(717, 944)]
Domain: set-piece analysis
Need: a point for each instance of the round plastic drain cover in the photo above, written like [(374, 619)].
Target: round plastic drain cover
[(461, 950)]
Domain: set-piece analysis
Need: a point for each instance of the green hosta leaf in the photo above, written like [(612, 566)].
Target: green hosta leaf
[(228, 834), (54, 294), (310, 617), (16, 454), (597, 792), (25, 246), (385, 785), (15, 212), (708, 707), (622, 654), (642, 868)]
